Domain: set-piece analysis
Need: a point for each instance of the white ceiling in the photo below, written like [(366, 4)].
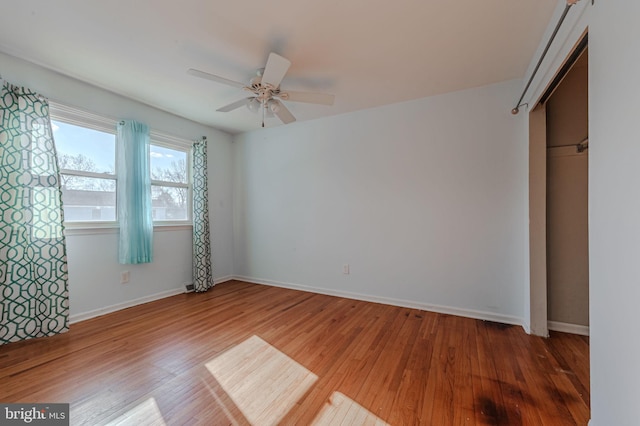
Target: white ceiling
[(366, 52)]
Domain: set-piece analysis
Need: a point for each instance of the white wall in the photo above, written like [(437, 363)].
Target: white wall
[(614, 201), (424, 199), (94, 272)]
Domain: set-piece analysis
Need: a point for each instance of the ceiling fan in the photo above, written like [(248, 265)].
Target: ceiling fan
[(266, 92)]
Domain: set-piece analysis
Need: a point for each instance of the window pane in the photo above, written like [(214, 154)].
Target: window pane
[(84, 149), (169, 203), (169, 165), (88, 199)]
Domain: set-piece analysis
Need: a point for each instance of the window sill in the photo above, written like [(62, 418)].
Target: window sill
[(171, 226), (98, 229)]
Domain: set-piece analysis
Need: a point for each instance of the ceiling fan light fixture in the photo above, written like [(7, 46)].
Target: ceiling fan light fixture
[(253, 104), (268, 113), (274, 106)]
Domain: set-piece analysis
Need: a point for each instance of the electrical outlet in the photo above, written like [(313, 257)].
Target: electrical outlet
[(124, 277), (345, 269)]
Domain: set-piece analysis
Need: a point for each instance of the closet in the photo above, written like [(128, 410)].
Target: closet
[(567, 124)]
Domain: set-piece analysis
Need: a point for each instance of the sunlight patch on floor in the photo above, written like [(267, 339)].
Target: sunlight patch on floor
[(261, 381), (340, 409), (146, 413)]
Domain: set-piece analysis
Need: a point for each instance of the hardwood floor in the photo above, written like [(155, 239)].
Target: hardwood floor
[(251, 354)]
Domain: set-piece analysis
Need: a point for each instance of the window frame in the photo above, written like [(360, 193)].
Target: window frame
[(77, 117), (170, 142), (80, 118)]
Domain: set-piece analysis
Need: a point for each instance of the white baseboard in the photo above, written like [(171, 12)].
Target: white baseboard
[(129, 303), (223, 279), (118, 306), (468, 313), (564, 327)]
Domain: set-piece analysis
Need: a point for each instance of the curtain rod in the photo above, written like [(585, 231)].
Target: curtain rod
[(570, 3)]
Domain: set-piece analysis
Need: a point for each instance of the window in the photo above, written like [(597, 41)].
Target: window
[(170, 197), (87, 172), (86, 146)]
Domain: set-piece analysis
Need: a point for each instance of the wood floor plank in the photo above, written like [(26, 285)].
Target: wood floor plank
[(250, 354)]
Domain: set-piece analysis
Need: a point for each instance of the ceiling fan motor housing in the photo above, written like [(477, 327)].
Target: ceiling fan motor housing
[(255, 82)]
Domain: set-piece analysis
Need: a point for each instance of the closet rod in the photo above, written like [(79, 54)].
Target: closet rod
[(580, 146)]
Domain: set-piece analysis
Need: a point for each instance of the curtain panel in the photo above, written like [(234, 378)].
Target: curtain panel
[(134, 193), (202, 269), (34, 298)]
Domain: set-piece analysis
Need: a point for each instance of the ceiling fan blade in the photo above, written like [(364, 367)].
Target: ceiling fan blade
[(282, 112), (276, 68), (234, 105), (308, 97), (206, 75)]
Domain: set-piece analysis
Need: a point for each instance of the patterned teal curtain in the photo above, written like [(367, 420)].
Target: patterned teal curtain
[(202, 270), (33, 260), (134, 193)]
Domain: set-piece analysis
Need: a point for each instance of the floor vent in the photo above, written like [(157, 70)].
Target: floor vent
[(189, 287)]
